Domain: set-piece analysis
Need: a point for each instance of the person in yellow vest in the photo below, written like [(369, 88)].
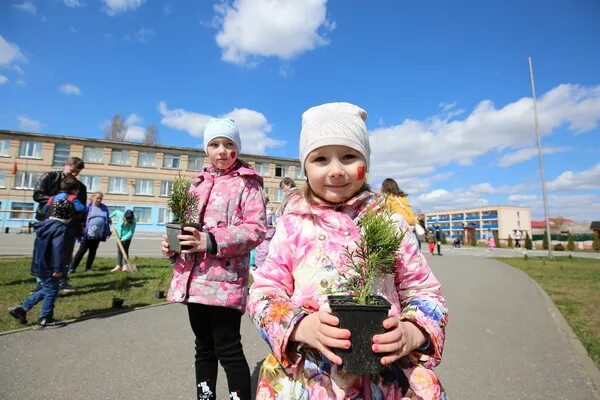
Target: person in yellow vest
[(397, 201)]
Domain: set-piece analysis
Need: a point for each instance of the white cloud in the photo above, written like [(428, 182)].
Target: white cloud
[(69, 88), (251, 29), (527, 153), (133, 119), (573, 181), (143, 35), (441, 199), (73, 3), (21, 82), (26, 6), (584, 207), (426, 145), (3, 79), (115, 7), (520, 198), (254, 127), (28, 124), (9, 53)]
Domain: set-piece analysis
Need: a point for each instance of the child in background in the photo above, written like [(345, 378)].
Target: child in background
[(211, 278), (307, 262), (430, 239), (124, 228), (47, 263)]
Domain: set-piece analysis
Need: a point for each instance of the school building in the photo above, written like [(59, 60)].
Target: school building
[(476, 221), (131, 175)]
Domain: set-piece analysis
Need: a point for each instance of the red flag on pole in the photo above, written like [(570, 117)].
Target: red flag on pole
[(14, 169)]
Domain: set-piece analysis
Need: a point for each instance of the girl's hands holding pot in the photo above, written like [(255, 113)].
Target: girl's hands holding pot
[(402, 338), (195, 239), (319, 330), (166, 250)]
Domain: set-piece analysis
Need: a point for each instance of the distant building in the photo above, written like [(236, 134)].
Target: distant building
[(501, 219), (131, 175)]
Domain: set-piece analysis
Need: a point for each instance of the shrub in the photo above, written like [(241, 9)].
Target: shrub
[(528, 242), (545, 240), (571, 243), (510, 242), (473, 241), (559, 247), (443, 238), (596, 243)]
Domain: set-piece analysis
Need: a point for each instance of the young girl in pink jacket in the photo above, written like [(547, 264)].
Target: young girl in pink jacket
[(211, 277), (307, 262)]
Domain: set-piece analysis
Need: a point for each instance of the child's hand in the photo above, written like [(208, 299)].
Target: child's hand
[(402, 338), (319, 330), (165, 246), (197, 240)]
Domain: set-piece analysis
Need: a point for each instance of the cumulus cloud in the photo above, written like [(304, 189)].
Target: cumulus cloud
[(520, 198), (28, 124), (70, 89), (254, 126), (441, 141), (3, 79), (72, 3), (562, 205), (135, 130), (251, 29), (10, 53), (527, 153), (26, 6), (570, 181), (115, 7)]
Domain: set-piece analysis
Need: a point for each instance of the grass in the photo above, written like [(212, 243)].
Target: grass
[(574, 286), (95, 290)]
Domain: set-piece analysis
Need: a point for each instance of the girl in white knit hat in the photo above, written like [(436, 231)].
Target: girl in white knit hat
[(307, 262)]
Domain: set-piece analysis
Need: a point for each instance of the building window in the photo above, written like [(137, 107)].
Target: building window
[(146, 159), (279, 195), (164, 216), (171, 161), (144, 186), (143, 215), (166, 187), (25, 179), (21, 210), (262, 169), (117, 185), (119, 157), (195, 163), (61, 154), (92, 183), (4, 147), (116, 208), (93, 155), (299, 173), (280, 171), (2, 178), (30, 150)]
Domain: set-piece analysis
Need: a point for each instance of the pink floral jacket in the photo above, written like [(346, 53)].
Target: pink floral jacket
[(229, 205), (306, 263)]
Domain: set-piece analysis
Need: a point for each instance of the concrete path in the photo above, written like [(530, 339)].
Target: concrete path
[(505, 340)]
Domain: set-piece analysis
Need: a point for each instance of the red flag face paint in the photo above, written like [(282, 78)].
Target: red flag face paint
[(360, 172)]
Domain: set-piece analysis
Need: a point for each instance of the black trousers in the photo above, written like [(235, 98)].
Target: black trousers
[(217, 331), (92, 246), (126, 244)]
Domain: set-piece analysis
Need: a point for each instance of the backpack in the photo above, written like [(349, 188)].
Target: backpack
[(43, 212)]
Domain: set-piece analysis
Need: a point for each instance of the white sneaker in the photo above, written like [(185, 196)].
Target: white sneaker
[(117, 269)]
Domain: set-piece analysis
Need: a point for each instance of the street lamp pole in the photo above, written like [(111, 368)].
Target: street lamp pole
[(541, 160)]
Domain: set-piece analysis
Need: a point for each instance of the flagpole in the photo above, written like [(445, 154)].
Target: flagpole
[(541, 160)]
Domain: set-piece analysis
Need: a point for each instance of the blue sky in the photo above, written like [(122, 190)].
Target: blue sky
[(446, 84)]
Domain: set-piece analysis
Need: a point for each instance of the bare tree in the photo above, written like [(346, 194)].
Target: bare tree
[(151, 136), (117, 129)]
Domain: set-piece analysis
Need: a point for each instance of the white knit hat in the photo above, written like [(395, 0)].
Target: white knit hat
[(334, 124), (222, 127)]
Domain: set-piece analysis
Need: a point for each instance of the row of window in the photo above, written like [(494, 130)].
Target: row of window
[(143, 215), (95, 155)]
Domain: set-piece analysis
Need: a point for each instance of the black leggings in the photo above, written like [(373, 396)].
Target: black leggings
[(125, 244), (217, 331), (92, 246)]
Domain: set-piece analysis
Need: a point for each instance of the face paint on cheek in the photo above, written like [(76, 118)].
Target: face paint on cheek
[(233, 154), (360, 171)]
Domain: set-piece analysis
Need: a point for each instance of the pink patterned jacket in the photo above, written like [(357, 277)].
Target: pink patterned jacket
[(234, 212), (306, 262)]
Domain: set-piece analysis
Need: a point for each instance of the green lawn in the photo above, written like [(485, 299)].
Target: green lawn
[(574, 286), (95, 290)]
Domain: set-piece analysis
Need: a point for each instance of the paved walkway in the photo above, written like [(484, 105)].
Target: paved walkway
[(505, 340)]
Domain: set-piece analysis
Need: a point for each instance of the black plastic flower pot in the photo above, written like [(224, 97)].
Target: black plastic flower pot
[(117, 302), (159, 294), (174, 229), (363, 321)]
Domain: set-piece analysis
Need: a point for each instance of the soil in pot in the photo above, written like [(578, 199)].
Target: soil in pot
[(174, 229), (117, 302), (364, 322)]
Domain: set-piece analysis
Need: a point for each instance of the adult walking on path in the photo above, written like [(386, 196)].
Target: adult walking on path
[(97, 229), (49, 185), (504, 340)]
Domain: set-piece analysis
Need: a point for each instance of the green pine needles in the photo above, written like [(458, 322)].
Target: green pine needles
[(375, 254), (178, 198)]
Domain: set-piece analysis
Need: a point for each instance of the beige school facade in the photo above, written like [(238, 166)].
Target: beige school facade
[(131, 175)]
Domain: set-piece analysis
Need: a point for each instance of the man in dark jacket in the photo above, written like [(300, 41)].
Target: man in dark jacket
[(49, 185), (47, 264)]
